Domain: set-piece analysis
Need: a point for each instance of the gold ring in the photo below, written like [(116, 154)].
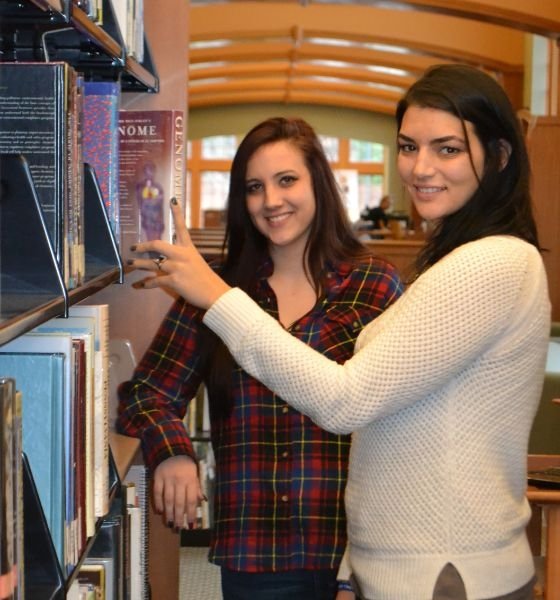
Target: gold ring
[(159, 261)]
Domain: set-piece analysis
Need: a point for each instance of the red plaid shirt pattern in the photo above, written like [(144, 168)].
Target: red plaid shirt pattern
[(279, 478)]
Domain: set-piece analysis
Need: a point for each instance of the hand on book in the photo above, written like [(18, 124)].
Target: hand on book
[(179, 267), (177, 491)]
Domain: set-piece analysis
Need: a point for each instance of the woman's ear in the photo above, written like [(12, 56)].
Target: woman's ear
[(505, 153)]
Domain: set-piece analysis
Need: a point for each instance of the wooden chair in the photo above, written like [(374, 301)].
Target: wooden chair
[(545, 504)]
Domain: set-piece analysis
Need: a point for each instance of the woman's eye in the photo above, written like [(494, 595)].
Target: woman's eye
[(406, 148), (449, 150), (253, 188), (287, 180)]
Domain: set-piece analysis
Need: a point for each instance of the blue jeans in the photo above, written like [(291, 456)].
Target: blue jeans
[(300, 584)]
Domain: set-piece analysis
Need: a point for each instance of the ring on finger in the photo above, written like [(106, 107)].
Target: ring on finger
[(159, 261)]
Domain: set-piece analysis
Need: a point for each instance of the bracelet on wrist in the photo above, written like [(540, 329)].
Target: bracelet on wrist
[(345, 585)]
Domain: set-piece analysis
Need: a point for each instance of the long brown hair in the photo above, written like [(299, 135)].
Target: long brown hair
[(331, 239)]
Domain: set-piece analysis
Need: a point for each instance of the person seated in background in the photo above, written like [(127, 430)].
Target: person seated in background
[(279, 528), (377, 215)]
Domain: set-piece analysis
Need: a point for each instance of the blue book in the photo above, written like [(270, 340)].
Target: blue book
[(80, 327), (101, 141), (41, 368)]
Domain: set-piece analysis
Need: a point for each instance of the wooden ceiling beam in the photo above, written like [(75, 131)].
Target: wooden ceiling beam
[(540, 18), (293, 84), (303, 69), (423, 31), (468, 54), (279, 97), (412, 63)]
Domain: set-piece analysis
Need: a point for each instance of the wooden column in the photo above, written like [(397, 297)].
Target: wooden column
[(543, 136)]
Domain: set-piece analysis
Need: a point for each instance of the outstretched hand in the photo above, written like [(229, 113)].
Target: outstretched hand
[(179, 267)]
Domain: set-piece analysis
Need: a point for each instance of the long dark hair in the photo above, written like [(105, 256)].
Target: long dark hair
[(331, 239), (502, 203)]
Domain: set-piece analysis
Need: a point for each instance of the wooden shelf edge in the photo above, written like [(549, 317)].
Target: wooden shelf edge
[(125, 451)]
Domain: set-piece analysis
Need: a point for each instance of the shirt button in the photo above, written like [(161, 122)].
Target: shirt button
[(296, 327), (285, 409), (284, 498), (356, 324), (285, 454)]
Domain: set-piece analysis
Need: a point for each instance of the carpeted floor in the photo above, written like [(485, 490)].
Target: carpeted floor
[(199, 579)]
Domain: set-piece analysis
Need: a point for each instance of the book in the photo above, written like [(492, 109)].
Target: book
[(91, 576), (8, 564), (39, 119), (19, 552), (81, 327), (136, 486), (152, 171), (101, 142), (109, 545), (135, 563), (129, 15), (77, 447), (100, 315), (41, 367), (108, 572)]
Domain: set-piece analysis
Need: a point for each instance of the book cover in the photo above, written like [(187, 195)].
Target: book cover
[(41, 370), (101, 141), (36, 109), (151, 149)]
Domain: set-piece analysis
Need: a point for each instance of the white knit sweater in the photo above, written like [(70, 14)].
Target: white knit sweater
[(440, 395)]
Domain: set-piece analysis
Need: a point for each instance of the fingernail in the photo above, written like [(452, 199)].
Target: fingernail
[(176, 530), (191, 525), (133, 248), (173, 200)]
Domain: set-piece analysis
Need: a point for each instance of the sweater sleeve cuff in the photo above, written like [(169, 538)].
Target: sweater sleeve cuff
[(344, 570)]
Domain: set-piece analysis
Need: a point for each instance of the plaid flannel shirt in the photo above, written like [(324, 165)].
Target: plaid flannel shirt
[(280, 479)]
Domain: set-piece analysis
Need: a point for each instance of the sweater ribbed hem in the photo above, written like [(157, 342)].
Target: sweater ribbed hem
[(485, 574)]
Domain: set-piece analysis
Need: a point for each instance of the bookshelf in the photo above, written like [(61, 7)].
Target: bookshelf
[(32, 287)]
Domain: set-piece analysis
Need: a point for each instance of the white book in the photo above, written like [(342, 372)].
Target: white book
[(137, 478)]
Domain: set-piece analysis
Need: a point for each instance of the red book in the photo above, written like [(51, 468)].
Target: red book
[(152, 171)]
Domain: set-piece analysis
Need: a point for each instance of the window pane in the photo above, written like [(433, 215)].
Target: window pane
[(219, 147), (362, 151), (214, 187), (330, 146), (370, 191)]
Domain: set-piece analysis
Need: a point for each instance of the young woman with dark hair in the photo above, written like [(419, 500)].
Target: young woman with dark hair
[(279, 528)]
